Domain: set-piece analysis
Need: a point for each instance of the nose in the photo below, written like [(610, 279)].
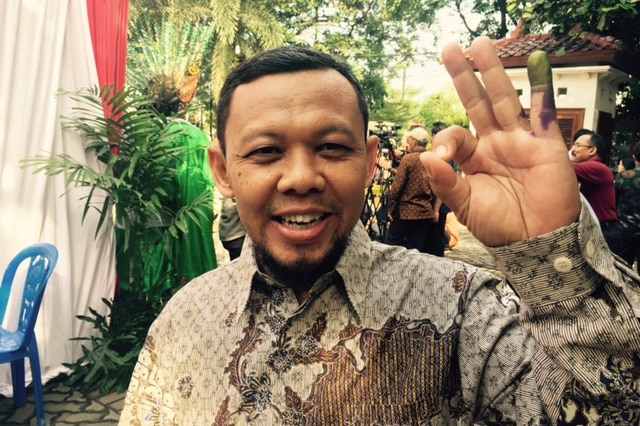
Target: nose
[(302, 172)]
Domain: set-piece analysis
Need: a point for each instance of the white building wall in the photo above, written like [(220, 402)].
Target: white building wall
[(593, 88)]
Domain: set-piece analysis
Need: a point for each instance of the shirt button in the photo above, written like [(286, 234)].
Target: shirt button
[(563, 264)]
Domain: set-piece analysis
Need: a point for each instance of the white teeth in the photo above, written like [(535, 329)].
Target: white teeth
[(301, 219)]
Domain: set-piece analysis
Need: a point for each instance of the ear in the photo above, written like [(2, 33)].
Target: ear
[(372, 159), (218, 165)]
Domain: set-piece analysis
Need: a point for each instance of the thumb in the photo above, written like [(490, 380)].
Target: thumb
[(450, 187)]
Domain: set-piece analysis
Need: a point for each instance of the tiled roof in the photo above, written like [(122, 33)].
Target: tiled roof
[(550, 43), (585, 49)]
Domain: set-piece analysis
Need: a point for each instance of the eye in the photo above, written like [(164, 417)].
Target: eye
[(264, 151), (334, 149), (264, 154)]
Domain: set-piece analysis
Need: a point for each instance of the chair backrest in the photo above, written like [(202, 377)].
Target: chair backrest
[(42, 258)]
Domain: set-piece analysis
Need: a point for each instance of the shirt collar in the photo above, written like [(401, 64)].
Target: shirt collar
[(353, 267)]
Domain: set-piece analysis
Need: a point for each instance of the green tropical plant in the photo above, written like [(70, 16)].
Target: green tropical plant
[(376, 37), (444, 106), (136, 147), (109, 357), (171, 48), (136, 185)]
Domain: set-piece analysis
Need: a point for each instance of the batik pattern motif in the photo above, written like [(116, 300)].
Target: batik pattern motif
[(395, 337)]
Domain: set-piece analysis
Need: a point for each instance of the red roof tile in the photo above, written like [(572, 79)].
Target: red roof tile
[(587, 42), (585, 49)]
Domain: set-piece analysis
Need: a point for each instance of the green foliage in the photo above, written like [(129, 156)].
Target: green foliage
[(146, 152), (629, 103), (618, 18), (375, 37), (136, 182), (497, 17), (242, 28), (109, 357), (166, 48), (168, 60), (397, 111), (444, 106)]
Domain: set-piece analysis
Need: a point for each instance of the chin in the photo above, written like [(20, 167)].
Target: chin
[(301, 270)]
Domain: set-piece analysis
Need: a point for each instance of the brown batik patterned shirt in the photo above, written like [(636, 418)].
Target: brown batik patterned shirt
[(397, 337), (410, 194)]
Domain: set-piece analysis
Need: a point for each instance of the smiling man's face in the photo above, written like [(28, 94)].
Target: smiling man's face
[(298, 165)]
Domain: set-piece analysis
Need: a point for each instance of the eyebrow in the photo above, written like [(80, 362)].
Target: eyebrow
[(259, 133)]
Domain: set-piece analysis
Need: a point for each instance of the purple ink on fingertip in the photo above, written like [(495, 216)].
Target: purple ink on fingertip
[(548, 111)]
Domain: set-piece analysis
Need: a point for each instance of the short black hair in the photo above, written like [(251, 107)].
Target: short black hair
[(601, 146), (437, 127), (581, 132), (286, 59), (627, 162)]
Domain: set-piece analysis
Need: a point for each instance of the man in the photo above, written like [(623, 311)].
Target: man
[(596, 181), (314, 324), (413, 219), (627, 185), (230, 229)]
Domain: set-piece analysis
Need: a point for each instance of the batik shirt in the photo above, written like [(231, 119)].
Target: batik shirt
[(410, 194), (397, 337)]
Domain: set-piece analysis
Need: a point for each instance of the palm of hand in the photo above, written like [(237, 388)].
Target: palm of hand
[(518, 181)]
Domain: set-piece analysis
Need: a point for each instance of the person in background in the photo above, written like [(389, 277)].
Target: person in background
[(316, 324), (580, 132), (589, 159), (404, 141), (230, 229), (173, 262), (413, 207), (626, 163), (627, 184), (194, 252)]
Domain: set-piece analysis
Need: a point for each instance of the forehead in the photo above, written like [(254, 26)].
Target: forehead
[(584, 140), (289, 86), (295, 98)]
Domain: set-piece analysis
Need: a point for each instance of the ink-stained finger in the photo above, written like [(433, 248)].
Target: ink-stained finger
[(543, 114)]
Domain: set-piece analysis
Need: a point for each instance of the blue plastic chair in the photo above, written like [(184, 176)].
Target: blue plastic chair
[(21, 343)]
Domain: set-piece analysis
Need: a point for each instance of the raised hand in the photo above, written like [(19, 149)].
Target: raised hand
[(518, 181)]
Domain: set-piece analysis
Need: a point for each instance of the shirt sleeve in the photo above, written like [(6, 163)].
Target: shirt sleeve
[(592, 171), (397, 186), (148, 400), (578, 324)]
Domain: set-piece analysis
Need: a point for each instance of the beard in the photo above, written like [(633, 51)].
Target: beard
[(300, 274)]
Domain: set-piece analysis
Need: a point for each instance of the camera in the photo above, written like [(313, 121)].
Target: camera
[(387, 132)]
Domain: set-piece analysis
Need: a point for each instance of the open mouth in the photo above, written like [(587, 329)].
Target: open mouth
[(302, 221)]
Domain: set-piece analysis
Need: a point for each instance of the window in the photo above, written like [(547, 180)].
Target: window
[(569, 120)]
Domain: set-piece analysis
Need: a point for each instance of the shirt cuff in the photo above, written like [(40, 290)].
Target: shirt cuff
[(567, 263)]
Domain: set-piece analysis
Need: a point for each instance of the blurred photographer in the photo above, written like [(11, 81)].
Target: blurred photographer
[(388, 154)]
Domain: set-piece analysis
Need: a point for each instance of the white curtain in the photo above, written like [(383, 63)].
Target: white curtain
[(45, 45)]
